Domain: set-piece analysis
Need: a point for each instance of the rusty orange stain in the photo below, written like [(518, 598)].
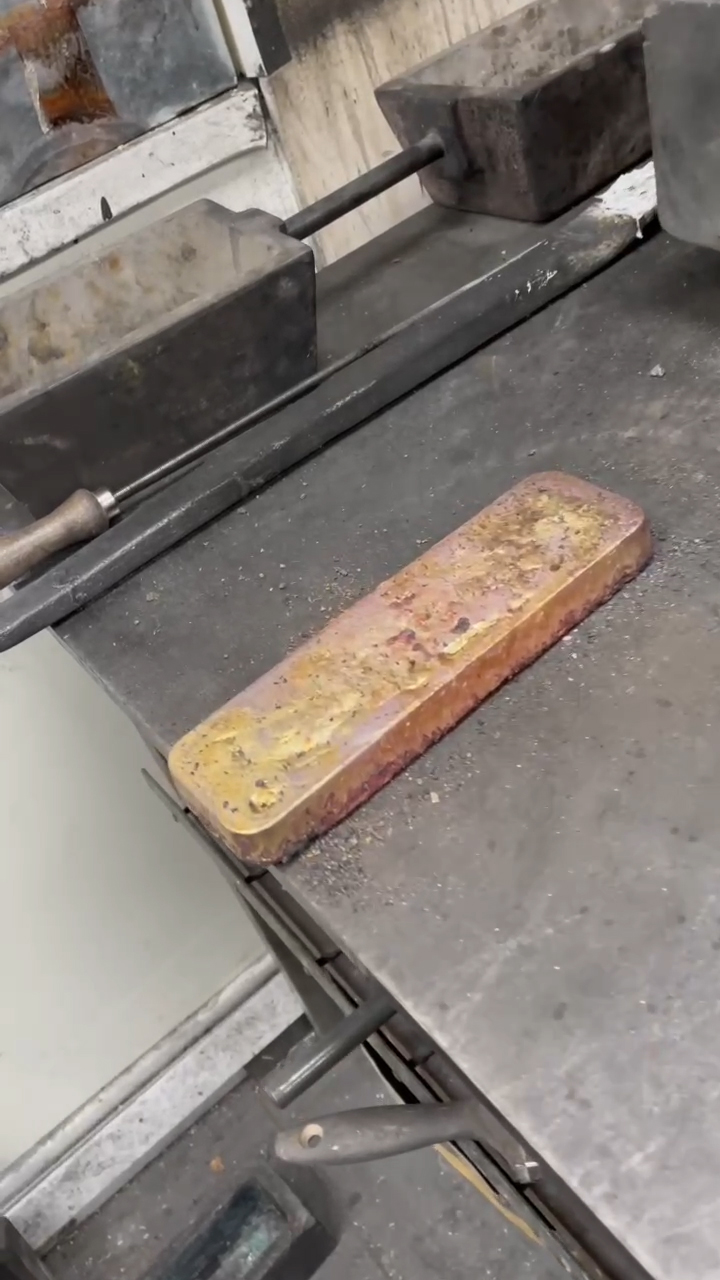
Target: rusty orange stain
[(337, 719), (49, 34)]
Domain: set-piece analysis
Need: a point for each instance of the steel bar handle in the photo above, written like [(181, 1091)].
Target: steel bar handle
[(372, 1133)]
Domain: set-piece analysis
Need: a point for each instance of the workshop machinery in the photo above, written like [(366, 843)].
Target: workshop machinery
[(469, 147), (518, 924)]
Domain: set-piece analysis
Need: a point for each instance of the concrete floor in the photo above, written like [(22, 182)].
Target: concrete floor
[(115, 925)]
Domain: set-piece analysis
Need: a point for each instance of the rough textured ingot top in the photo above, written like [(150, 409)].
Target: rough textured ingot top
[(338, 718)]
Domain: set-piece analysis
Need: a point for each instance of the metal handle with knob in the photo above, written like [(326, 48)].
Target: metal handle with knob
[(82, 516), (372, 1133)]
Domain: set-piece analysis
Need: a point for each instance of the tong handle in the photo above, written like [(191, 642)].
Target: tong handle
[(82, 516)]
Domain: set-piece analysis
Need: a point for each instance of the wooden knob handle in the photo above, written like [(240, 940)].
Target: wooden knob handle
[(82, 516)]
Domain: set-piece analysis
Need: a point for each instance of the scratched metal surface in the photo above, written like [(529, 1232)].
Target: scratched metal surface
[(542, 891), (304, 745)]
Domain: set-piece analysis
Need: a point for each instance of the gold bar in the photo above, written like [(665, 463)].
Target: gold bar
[(338, 718)]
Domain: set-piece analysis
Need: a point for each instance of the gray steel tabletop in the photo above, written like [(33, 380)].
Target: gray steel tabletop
[(542, 890)]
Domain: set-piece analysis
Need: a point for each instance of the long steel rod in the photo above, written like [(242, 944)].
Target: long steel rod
[(335, 205), (434, 340), (32, 1167), (85, 514), (197, 451)]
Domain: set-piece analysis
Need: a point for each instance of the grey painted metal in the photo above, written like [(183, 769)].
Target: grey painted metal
[(318, 1054), (681, 56), (35, 1164), (321, 1009), (553, 920), (374, 1133), (132, 1136), (298, 945)]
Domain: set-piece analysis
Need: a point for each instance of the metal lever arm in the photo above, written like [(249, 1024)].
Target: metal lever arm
[(82, 516), (372, 1133), (318, 1054)]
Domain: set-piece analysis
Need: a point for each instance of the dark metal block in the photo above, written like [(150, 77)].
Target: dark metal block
[(536, 112), (193, 323), (262, 1232), (682, 55)]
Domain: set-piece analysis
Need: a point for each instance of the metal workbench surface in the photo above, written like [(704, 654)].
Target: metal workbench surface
[(542, 890)]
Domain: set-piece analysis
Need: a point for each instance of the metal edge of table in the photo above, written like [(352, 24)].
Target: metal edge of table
[(575, 384)]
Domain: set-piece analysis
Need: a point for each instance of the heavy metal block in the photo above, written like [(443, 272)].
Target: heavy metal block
[(536, 112), (177, 331)]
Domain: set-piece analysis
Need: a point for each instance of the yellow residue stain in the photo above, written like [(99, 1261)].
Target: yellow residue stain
[(472, 1175), (264, 798)]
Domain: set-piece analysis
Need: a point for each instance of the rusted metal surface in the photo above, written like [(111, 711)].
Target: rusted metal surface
[(337, 719), (108, 68), (52, 46)]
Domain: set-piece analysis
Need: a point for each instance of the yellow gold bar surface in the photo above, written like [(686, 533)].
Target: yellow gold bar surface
[(338, 718)]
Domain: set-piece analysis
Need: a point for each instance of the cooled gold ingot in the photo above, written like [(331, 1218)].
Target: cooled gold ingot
[(337, 719)]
